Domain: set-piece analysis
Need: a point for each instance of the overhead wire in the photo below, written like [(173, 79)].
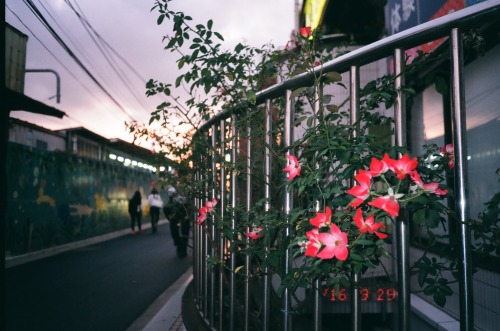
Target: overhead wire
[(129, 66), (104, 50), (51, 53), (42, 19), (108, 48), (70, 72), (48, 9)]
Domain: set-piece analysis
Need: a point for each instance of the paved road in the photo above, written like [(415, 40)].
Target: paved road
[(103, 287)]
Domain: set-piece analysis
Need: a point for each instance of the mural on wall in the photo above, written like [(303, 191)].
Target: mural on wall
[(55, 198)]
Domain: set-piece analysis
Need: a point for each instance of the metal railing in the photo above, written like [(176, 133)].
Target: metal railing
[(213, 298)]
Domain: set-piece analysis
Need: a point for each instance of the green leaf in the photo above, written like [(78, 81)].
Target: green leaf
[(441, 85), (422, 276), (301, 189), (171, 43), (160, 19), (432, 218), (297, 92), (209, 24), (385, 95), (365, 242), (344, 156), (429, 290), (356, 257), (445, 289), (326, 98), (297, 72), (218, 35), (238, 48), (251, 97), (299, 120), (333, 77), (310, 121), (178, 80), (419, 216), (439, 298), (195, 54), (181, 63), (332, 108)]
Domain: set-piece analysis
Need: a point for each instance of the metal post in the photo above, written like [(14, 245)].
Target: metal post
[(288, 139), (267, 207), (460, 150), (196, 233), (247, 239), (221, 243), (233, 188), (356, 277), (204, 235), (318, 92), (212, 228), (403, 232), (58, 81)]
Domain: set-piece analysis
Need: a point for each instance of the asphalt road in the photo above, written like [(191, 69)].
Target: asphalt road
[(103, 287)]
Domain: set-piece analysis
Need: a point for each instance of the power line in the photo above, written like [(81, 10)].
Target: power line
[(51, 53), (129, 66), (88, 27), (42, 19)]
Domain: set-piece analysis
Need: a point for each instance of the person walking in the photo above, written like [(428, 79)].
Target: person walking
[(155, 204), (176, 210), (135, 212)]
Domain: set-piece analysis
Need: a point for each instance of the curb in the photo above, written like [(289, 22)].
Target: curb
[(33, 256), (164, 311)]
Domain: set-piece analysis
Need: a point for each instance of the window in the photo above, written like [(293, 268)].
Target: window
[(87, 148)]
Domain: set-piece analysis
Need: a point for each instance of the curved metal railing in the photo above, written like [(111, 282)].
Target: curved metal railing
[(209, 280)]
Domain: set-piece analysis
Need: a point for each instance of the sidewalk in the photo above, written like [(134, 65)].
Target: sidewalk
[(165, 312)]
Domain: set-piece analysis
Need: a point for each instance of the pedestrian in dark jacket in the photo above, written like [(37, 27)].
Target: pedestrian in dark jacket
[(135, 211), (176, 211)]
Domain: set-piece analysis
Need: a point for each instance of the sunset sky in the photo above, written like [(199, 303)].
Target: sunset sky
[(120, 45)]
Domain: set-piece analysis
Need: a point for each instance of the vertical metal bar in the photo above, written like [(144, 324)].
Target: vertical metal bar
[(233, 188), (318, 93), (221, 245), (211, 314), (460, 148), (204, 235), (199, 260), (356, 300), (246, 321), (288, 140), (196, 233), (205, 238), (267, 207), (403, 233)]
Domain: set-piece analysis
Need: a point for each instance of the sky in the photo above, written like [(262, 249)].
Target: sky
[(119, 49)]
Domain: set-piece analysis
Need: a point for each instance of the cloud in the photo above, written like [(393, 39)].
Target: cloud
[(131, 30)]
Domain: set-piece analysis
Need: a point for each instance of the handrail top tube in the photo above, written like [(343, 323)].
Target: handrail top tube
[(406, 39)]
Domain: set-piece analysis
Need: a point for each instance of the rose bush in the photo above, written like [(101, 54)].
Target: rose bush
[(350, 185)]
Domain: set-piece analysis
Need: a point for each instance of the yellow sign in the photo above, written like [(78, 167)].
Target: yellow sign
[(313, 12)]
